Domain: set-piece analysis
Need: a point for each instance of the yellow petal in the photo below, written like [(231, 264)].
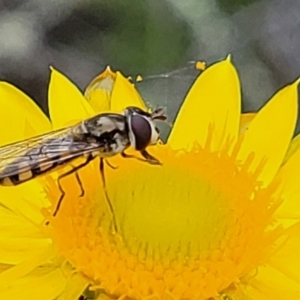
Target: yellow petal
[(13, 225), (289, 177), (99, 100), (271, 284), (294, 147), (124, 94), (245, 121), (213, 102), (14, 250), (98, 92), (281, 275), (26, 266), (26, 199), (269, 134), (20, 117), (35, 287), (74, 288), (66, 103), (20, 237), (111, 91), (286, 259)]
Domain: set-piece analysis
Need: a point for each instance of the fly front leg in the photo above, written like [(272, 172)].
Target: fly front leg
[(148, 157)]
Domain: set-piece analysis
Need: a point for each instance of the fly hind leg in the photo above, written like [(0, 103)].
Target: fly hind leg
[(80, 185), (101, 167), (73, 170)]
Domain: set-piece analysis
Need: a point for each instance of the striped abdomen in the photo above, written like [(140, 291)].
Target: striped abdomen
[(23, 170), (46, 157)]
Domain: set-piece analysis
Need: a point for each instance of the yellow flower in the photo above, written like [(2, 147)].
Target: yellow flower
[(218, 220)]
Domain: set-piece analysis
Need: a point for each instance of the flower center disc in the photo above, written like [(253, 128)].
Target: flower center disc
[(184, 229), (168, 211)]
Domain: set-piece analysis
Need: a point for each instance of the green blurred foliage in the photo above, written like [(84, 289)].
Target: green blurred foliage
[(231, 6), (147, 42), (136, 36)]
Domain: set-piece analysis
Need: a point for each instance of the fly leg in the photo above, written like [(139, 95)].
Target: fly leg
[(148, 158), (110, 165), (74, 170), (80, 185), (101, 167)]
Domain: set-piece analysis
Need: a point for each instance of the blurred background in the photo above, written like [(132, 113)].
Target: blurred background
[(158, 39)]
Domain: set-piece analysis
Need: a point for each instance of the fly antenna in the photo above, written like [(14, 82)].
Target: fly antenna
[(159, 114)]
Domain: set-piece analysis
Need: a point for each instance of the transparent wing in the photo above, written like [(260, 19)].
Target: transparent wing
[(43, 153)]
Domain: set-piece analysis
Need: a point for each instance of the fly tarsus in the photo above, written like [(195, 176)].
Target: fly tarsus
[(147, 157)]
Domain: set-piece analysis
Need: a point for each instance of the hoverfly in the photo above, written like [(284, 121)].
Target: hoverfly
[(103, 136)]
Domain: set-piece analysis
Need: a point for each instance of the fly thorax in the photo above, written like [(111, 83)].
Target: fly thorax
[(121, 142), (80, 129)]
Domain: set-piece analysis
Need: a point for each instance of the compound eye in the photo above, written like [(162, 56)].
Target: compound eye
[(140, 132)]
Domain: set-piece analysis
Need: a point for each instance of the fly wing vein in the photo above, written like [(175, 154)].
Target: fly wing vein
[(44, 154)]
